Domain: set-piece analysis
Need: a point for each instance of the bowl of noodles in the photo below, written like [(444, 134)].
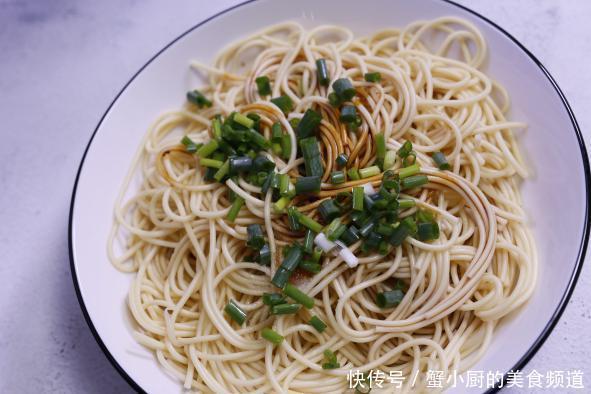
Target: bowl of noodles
[(298, 197)]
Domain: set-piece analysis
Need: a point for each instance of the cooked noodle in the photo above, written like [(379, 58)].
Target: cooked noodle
[(188, 261)]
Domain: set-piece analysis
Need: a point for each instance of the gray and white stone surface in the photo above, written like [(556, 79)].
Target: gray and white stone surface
[(61, 64)]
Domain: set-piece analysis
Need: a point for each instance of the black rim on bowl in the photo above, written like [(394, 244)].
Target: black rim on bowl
[(555, 316)]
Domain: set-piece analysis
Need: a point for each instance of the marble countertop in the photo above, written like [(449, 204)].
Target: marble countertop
[(61, 64)]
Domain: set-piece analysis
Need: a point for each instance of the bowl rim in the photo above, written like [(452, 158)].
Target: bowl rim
[(521, 363)]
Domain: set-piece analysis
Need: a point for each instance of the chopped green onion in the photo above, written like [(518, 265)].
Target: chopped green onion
[(384, 193), (405, 204), (285, 146), (292, 218), (353, 174), (257, 139), (358, 195), (240, 164), (275, 183), (197, 98), (292, 258), (317, 323), (235, 208), (311, 154), (268, 182), (399, 284), (207, 149), (257, 178), (255, 238), (285, 309), (380, 142), (414, 181), (284, 184), (427, 231), (256, 118), (342, 160), (309, 241), (335, 229), (366, 228), (223, 171), (380, 204), (389, 299), (211, 163), (216, 128), (404, 229), (263, 85), (368, 202), (243, 120), (348, 114), (310, 223), (307, 184), (262, 164), (337, 233), (310, 266), (405, 149), (369, 171), (423, 216), (299, 296), (384, 229), (410, 159), (281, 277), (359, 217), (209, 173), (389, 159), (328, 210), (409, 223), (280, 204), (226, 148), (350, 235), (277, 150), (329, 356), (409, 171), (232, 135), (234, 311), (316, 255), (265, 255), (337, 177), (190, 146), (344, 89), (372, 241), (283, 102), (441, 161), (322, 72), (273, 299), (330, 360), (391, 181), (271, 336), (343, 200), (333, 99), (276, 132), (231, 193), (373, 77), (294, 122), (308, 124)]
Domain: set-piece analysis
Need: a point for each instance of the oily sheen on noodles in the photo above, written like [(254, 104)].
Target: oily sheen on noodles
[(188, 260)]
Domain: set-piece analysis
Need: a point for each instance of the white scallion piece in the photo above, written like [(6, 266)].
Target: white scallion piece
[(368, 189), (350, 259), (324, 243)]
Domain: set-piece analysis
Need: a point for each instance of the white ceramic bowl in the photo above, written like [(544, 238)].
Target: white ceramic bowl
[(556, 197)]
